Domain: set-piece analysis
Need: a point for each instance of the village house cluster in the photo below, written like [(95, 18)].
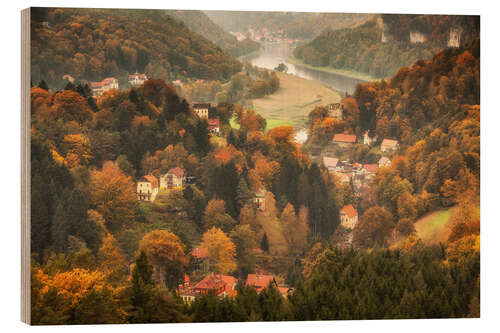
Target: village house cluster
[(148, 186), (100, 87), (202, 111), (223, 285)]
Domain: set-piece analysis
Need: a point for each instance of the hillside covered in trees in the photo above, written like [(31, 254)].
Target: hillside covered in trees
[(200, 23), (291, 24), (380, 47), (91, 44)]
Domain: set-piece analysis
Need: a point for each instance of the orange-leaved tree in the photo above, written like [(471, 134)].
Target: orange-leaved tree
[(166, 253), (113, 195)]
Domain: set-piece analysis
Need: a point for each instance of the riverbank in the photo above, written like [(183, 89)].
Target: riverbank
[(328, 69), (249, 55), (293, 101)]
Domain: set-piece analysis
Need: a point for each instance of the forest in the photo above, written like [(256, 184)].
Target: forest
[(363, 48), (291, 24), (91, 44), (200, 23)]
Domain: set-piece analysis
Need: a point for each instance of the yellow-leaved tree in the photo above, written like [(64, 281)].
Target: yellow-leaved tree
[(110, 256), (220, 249), (166, 253)]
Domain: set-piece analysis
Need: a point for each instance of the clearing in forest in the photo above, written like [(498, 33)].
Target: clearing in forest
[(293, 101)]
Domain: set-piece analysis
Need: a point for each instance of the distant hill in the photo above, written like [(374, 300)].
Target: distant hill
[(291, 24), (383, 45), (91, 44), (200, 23)]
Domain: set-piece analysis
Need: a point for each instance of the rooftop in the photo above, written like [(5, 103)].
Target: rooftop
[(344, 138), (349, 210)]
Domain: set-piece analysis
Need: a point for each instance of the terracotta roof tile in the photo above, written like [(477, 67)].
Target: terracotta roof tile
[(349, 210), (344, 138)]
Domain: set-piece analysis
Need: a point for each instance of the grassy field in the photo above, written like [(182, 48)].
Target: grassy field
[(295, 98), (328, 69), (434, 227)]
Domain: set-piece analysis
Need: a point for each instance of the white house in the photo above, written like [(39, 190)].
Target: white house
[(174, 178), (367, 140), (201, 109), (348, 217), (137, 79), (147, 188), (389, 145), (335, 110), (260, 199)]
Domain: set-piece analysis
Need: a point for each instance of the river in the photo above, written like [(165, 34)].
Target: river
[(272, 54)]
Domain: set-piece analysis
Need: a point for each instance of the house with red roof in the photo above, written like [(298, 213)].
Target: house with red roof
[(348, 217), (213, 125), (389, 145), (137, 79), (98, 88), (147, 188), (220, 285), (344, 140), (174, 178), (260, 281), (371, 168)]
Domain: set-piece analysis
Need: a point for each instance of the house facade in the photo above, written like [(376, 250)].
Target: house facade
[(367, 139), (220, 285), (137, 79), (174, 179), (260, 199), (214, 125), (147, 188), (98, 88), (389, 145), (348, 217), (336, 110), (201, 109)]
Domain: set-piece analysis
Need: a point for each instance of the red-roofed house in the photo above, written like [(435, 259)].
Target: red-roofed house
[(98, 88), (214, 125), (147, 188), (174, 178), (371, 168), (220, 285), (344, 140), (260, 281), (348, 217), (389, 145), (137, 79)]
